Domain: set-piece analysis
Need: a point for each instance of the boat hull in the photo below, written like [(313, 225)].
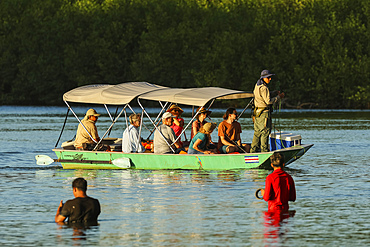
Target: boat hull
[(74, 159)]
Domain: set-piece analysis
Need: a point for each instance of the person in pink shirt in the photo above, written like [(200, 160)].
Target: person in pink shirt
[(279, 187)]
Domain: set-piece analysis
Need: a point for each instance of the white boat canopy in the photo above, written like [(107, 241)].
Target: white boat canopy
[(194, 96), (119, 94), (189, 96), (124, 93)]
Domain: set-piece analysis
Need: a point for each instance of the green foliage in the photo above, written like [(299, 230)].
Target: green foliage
[(318, 48), (361, 98)]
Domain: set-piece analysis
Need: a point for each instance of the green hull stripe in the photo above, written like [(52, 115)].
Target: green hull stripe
[(73, 159)]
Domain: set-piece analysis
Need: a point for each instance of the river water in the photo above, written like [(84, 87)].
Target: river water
[(188, 208)]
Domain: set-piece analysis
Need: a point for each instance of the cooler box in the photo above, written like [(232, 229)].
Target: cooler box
[(282, 140)]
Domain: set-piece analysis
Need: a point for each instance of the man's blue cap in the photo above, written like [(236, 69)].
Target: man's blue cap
[(266, 73)]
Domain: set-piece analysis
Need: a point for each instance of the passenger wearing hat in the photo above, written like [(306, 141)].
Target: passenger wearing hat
[(200, 121), (178, 122), (88, 131), (262, 112), (165, 135), (200, 142)]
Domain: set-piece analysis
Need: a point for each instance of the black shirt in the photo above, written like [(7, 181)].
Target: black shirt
[(81, 209)]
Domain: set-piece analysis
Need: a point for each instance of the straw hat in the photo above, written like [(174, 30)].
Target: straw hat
[(204, 110), (208, 127), (175, 107), (91, 112)]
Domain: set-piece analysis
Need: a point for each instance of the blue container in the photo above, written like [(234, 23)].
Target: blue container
[(282, 140)]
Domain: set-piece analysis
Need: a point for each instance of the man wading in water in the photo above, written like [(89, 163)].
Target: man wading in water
[(82, 209), (279, 188)]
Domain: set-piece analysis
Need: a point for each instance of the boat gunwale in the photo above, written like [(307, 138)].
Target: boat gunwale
[(298, 147)]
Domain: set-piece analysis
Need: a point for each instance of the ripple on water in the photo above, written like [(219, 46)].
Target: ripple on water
[(188, 208)]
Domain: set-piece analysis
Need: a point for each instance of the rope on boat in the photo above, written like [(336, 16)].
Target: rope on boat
[(65, 120)]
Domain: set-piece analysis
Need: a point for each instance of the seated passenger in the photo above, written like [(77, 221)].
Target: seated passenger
[(200, 143), (83, 140), (229, 134), (201, 120), (178, 122), (131, 141), (166, 135)]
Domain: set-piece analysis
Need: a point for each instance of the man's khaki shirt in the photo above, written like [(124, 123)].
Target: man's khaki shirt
[(262, 97), (82, 136)]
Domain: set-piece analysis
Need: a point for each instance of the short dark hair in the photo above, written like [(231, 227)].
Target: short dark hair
[(80, 184), (277, 159)]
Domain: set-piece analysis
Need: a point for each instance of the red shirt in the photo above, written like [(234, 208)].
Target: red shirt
[(177, 129), (279, 189)]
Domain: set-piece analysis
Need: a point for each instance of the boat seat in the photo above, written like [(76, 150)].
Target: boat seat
[(114, 143), (68, 145)]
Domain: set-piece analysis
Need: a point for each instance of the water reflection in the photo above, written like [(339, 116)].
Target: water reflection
[(162, 176), (79, 232), (277, 226)]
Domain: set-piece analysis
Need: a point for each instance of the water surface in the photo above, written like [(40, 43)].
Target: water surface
[(188, 208)]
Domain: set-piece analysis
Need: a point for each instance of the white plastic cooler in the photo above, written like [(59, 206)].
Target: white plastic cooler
[(280, 140)]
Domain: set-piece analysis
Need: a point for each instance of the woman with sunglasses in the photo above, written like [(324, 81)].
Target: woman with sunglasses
[(200, 121)]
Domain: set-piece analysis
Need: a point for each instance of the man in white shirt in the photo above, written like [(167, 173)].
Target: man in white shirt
[(131, 141)]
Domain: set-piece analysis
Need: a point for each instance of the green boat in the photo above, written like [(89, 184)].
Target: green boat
[(124, 93)]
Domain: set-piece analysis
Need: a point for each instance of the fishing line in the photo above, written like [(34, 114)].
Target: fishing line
[(278, 124)]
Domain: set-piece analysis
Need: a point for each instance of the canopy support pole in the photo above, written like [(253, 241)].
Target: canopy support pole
[(111, 118), (80, 122), (250, 102), (190, 122), (115, 114), (141, 126), (110, 127), (155, 125), (135, 113), (213, 100), (156, 119)]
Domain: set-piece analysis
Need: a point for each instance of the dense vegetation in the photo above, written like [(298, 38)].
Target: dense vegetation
[(319, 49)]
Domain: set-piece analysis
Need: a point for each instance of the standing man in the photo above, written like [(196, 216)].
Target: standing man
[(262, 112), (279, 188), (84, 136), (164, 134), (82, 209)]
